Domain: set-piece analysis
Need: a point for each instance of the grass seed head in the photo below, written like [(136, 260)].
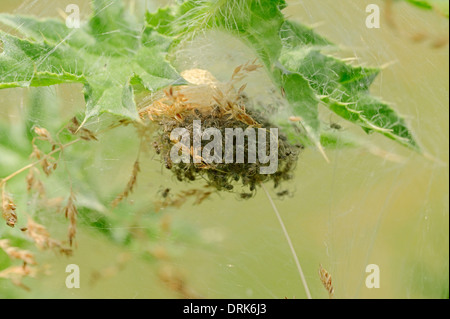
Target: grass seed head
[(130, 185), (17, 273), (75, 129), (44, 134), (42, 239), (8, 209), (325, 278), (15, 253), (71, 212)]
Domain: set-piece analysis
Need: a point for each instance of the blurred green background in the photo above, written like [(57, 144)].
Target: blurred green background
[(359, 209)]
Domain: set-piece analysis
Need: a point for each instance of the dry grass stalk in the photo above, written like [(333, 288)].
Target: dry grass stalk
[(325, 278), (440, 42), (130, 186), (33, 183), (179, 199), (48, 163), (17, 273), (39, 154), (44, 135), (85, 134), (159, 252), (47, 166), (8, 209), (71, 212), (204, 95), (41, 237), (30, 180), (15, 253), (241, 71), (173, 279)]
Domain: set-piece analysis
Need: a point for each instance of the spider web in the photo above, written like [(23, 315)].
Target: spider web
[(357, 210)]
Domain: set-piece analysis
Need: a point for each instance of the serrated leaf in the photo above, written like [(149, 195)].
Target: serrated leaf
[(345, 90), (326, 74), (374, 116), (24, 63), (51, 30), (107, 55), (294, 35)]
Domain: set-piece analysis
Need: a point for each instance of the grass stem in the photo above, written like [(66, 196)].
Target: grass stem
[(291, 246)]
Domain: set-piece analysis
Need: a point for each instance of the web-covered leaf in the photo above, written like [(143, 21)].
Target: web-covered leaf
[(292, 55), (344, 89), (112, 52), (107, 55)]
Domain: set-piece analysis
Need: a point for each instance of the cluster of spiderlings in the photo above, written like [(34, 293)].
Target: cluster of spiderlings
[(225, 176)]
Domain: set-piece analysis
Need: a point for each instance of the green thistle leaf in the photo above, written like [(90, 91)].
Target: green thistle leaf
[(106, 55)]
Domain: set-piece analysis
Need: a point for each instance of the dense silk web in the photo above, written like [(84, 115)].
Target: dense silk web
[(377, 203)]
